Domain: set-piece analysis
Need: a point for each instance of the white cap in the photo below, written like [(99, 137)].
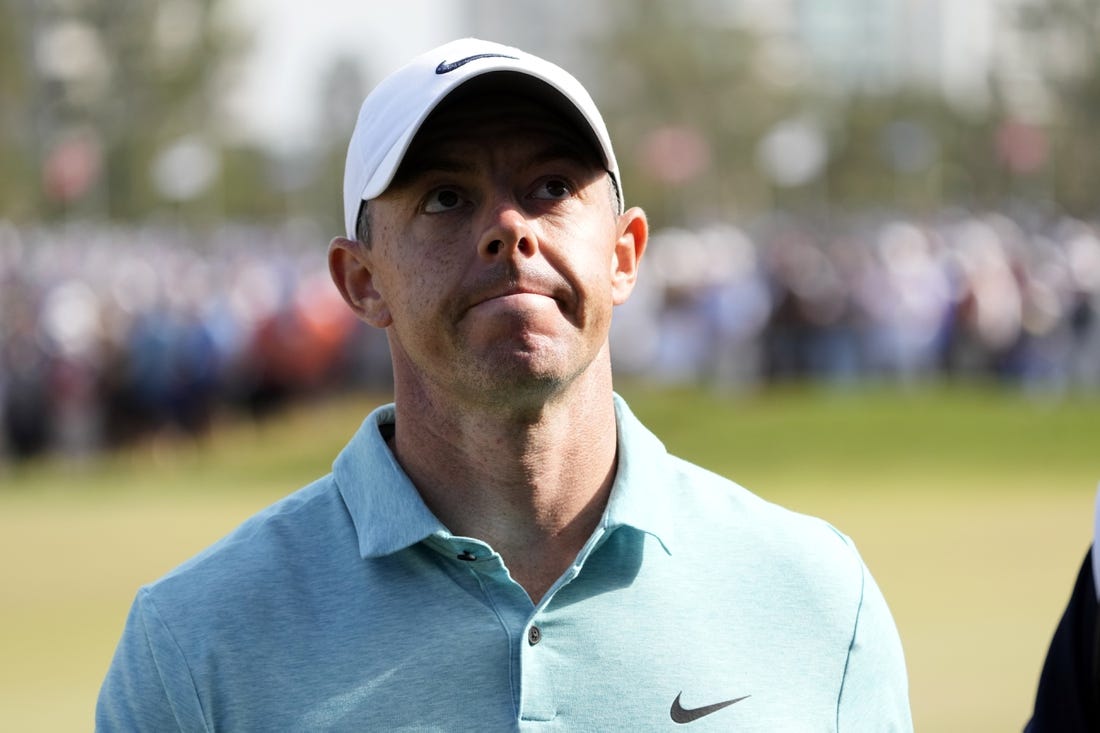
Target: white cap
[(395, 110)]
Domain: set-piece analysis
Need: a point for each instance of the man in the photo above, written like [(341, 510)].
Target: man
[(505, 546), (1068, 697)]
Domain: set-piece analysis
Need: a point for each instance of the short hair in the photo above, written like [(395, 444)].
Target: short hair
[(362, 225)]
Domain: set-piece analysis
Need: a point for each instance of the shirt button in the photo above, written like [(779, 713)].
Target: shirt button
[(467, 556), (534, 635)]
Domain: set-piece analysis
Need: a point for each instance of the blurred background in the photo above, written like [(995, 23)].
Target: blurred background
[(886, 208), (839, 191)]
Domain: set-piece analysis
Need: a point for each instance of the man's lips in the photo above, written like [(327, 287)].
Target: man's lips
[(514, 296), (525, 291)]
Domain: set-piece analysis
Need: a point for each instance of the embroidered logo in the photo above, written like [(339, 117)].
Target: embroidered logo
[(446, 67), (680, 714)]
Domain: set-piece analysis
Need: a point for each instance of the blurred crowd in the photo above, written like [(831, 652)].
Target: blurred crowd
[(109, 333), (870, 297)]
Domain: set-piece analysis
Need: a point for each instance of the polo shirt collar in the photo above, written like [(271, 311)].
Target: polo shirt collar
[(642, 495), (389, 514), (385, 507)]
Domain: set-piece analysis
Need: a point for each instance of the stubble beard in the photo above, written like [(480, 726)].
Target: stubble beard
[(523, 376)]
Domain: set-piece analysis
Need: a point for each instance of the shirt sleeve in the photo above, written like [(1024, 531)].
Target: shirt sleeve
[(148, 686), (874, 695)]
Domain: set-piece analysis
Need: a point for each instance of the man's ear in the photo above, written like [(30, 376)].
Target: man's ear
[(629, 248), (349, 263)]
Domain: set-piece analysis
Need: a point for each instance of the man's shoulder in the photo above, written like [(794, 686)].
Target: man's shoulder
[(712, 513), (298, 529), (727, 513), (700, 485)]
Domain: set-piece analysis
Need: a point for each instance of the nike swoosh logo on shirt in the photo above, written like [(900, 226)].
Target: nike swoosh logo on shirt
[(680, 714), (449, 66)]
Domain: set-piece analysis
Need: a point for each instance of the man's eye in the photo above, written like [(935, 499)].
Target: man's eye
[(444, 199), (553, 189)]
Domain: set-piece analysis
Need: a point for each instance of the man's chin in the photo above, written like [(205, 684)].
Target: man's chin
[(522, 373), (523, 366)]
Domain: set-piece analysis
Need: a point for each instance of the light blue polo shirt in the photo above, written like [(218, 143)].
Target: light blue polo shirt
[(347, 606)]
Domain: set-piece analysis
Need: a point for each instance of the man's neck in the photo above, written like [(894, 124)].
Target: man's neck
[(532, 484)]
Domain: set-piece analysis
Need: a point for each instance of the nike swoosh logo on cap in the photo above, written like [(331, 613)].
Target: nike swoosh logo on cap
[(686, 715), (449, 66)]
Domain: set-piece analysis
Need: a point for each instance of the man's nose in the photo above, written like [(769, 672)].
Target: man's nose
[(508, 232)]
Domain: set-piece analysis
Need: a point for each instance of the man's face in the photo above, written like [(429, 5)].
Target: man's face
[(497, 253)]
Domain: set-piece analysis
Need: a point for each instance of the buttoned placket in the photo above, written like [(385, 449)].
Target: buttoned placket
[(529, 627)]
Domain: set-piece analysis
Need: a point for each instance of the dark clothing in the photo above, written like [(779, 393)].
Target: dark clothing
[(1068, 698)]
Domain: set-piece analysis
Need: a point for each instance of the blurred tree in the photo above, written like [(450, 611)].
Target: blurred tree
[(716, 118), (912, 150), (122, 109), (688, 94), (344, 85), (16, 121), (1061, 37)]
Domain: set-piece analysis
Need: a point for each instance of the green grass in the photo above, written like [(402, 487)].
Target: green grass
[(976, 438), (972, 506)]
